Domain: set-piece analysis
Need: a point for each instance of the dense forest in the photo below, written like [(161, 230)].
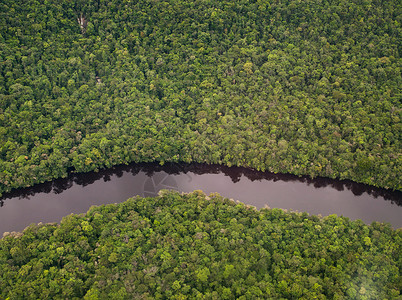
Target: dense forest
[(307, 87), (196, 247), (304, 87)]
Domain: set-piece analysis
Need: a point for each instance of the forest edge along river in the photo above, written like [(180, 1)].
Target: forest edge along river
[(49, 202)]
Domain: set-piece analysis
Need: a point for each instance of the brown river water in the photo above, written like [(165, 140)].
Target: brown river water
[(49, 202)]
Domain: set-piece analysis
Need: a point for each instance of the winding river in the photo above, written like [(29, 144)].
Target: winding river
[(49, 202)]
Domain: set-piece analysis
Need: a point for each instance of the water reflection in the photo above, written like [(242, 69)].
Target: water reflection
[(49, 202), (235, 173)]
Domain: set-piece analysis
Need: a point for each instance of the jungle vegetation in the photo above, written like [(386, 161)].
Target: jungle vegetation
[(196, 247), (304, 87)]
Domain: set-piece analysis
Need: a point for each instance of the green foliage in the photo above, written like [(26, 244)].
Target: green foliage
[(193, 246), (302, 87)]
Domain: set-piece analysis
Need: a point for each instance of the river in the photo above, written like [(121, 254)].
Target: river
[(49, 202)]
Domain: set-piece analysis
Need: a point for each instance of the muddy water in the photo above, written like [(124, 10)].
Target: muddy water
[(51, 201)]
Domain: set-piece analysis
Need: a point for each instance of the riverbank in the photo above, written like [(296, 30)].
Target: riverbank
[(51, 201), (241, 85), (192, 245)]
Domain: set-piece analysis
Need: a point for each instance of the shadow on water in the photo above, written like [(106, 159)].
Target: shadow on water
[(235, 173)]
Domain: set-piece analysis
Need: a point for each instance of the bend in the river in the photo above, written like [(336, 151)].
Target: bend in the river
[(49, 202)]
